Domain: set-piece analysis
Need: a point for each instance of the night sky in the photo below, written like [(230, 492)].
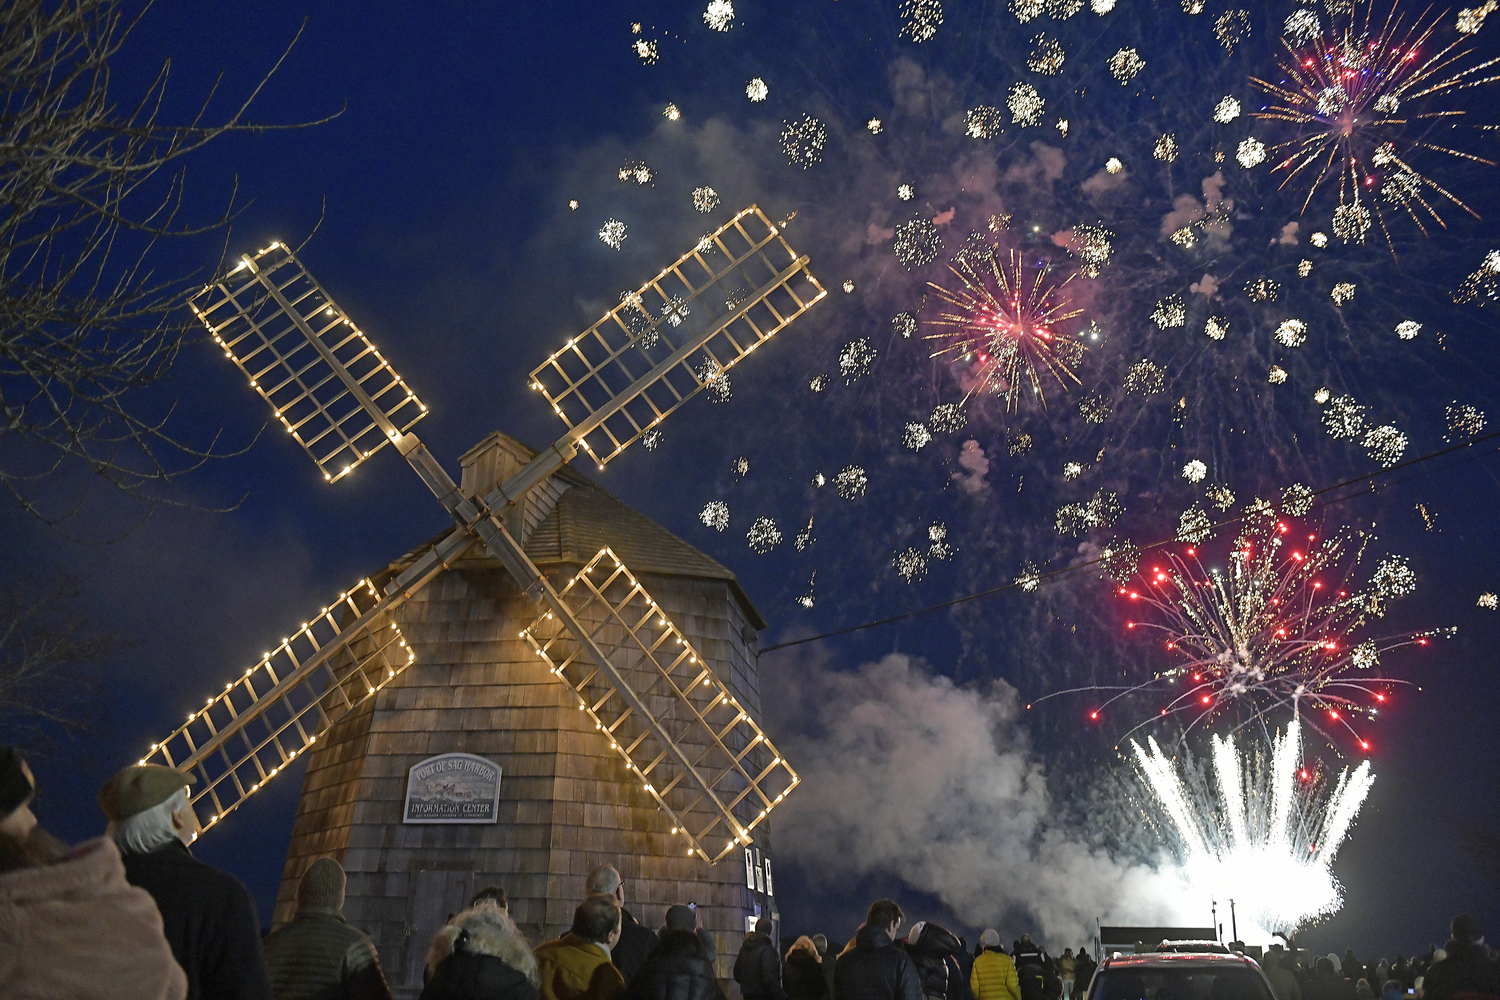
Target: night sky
[(435, 209)]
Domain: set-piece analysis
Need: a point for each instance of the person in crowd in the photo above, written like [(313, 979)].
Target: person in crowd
[(994, 975), (933, 950), (962, 963), (1353, 970), (318, 954), (802, 976), (679, 967), (70, 924), (636, 942), (757, 968), (1283, 980), (873, 967), (1467, 969), (578, 966), (1393, 989), (685, 918), (1362, 990), (1401, 971), (1382, 973), (1031, 968), (207, 915), (481, 955), (1065, 967), (1083, 971), (492, 894), (820, 941), (1327, 983)]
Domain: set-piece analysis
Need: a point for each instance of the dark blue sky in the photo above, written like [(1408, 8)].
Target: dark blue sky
[(442, 190)]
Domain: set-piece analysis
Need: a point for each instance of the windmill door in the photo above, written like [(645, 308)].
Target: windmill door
[(435, 896)]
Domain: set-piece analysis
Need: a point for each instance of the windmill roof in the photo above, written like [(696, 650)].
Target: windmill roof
[(585, 518)]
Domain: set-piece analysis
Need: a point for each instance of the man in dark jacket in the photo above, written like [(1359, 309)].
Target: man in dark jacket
[(1326, 984), (1467, 972), (318, 955), (1083, 973), (873, 967), (685, 918), (636, 942), (677, 969), (932, 949), (820, 942), (207, 915), (758, 967), (1030, 969)]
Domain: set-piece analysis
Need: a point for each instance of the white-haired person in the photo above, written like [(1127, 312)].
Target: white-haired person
[(70, 925), (208, 915)]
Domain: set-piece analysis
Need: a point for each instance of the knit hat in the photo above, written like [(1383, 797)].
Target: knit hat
[(15, 788), (990, 938), (322, 887), (915, 932), (681, 918), (138, 788)]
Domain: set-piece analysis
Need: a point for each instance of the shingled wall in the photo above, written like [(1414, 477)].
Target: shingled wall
[(567, 802)]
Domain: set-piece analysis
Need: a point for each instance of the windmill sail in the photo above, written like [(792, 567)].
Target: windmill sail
[(698, 752), (244, 736)]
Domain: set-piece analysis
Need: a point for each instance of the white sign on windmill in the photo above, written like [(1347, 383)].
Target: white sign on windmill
[(698, 753)]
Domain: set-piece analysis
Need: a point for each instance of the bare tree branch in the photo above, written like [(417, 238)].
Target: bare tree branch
[(88, 192)]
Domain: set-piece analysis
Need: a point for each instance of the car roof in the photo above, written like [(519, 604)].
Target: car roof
[(1168, 959)]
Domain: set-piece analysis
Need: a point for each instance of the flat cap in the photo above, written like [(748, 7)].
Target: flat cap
[(138, 788)]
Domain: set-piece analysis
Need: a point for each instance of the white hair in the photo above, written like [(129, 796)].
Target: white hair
[(151, 828)]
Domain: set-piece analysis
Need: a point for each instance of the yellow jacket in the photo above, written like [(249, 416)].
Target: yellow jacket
[(994, 977), (571, 968)]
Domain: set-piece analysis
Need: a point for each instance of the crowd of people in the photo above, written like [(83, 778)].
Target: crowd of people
[(132, 915)]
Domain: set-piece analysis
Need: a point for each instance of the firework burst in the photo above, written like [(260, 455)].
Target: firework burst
[(1267, 835), (1278, 627), (1362, 95), (1003, 321)]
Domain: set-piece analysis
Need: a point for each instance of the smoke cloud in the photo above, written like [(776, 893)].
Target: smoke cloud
[(910, 777)]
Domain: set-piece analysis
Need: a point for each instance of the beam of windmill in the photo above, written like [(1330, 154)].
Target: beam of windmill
[(342, 402), (694, 707)]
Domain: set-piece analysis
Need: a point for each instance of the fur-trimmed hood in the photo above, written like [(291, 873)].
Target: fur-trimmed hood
[(485, 929)]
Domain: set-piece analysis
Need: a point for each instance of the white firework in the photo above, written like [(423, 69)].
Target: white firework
[(612, 234), (1292, 333), (1262, 838), (1408, 329), (705, 199), (1194, 471), (1226, 111), (720, 15), (1125, 64), (1216, 327), (917, 436), (757, 90), (1385, 445), (1025, 104), (715, 514), (763, 535), (1250, 153)]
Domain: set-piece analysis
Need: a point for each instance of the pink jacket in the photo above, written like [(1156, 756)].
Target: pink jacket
[(76, 930)]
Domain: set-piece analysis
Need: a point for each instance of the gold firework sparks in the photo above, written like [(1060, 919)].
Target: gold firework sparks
[(1003, 321), (1358, 94)]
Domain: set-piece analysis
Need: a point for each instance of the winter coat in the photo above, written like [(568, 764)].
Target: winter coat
[(677, 969), (481, 955), (636, 942), (76, 930), (1030, 971), (1065, 966), (958, 982), (318, 956), (757, 970), (930, 954), (874, 968), (210, 922), (1283, 980), (803, 977), (1327, 987), (994, 977), (1467, 972), (571, 968), (1083, 973)]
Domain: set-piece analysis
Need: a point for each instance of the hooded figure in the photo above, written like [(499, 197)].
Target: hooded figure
[(757, 968), (481, 955), (208, 915), (677, 969), (318, 954), (70, 925), (932, 949)]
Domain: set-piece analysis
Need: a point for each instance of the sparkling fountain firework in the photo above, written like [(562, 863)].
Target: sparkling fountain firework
[(1267, 837), (1004, 322), (1363, 97)]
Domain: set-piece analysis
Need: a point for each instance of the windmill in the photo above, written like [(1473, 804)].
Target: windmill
[(681, 733)]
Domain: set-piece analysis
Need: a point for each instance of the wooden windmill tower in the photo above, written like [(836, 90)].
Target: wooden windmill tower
[(621, 719)]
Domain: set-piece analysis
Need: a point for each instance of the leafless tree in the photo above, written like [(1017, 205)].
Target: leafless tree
[(89, 189), (49, 662)]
